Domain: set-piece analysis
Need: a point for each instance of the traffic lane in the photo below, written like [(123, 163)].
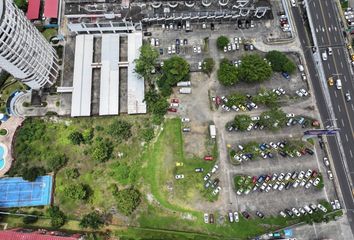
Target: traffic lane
[(319, 24)]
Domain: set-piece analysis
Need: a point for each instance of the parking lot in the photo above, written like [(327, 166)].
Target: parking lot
[(202, 111)]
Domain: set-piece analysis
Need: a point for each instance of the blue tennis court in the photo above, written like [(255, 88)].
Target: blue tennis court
[(16, 192)]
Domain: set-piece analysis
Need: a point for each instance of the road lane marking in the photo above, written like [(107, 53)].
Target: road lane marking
[(342, 122), (335, 39), (341, 64), (352, 107), (345, 79), (339, 109), (326, 3), (335, 94), (351, 154), (317, 16), (314, 4), (346, 137), (329, 66), (338, 52), (322, 39)]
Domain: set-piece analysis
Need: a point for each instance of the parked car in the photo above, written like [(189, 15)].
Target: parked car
[(281, 213), (208, 158), (308, 209), (296, 212), (231, 217), (330, 174), (199, 170), (246, 215), (285, 75), (260, 214), (322, 208), (179, 176)]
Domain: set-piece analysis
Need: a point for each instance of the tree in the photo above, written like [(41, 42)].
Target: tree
[(254, 69), (174, 70), (21, 4), (280, 62), (227, 73), (208, 66), (72, 173), (58, 218), (102, 150), (242, 121), (76, 191), (30, 174), (128, 200), (76, 138), (273, 119), (147, 134), (87, 135), (145, 64), (222, 42), (57, 161), (92, 220), (120, 129)]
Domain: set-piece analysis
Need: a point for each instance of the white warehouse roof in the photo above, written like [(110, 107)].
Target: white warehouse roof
[(109, 88), (136, 86), (82, 82)]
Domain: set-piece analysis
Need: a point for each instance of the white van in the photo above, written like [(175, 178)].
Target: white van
[(324, 56), (339, 84), (301, 68)]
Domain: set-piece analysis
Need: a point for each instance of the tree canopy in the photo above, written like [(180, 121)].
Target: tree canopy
[(58, 218), (174, 70), (242, 121), (128, 200), (254, 69), (227, 73), (280, 62), (76, 191), (30, 174), (273, 119), (92, 220), (102, 150), (146, 61), (208, 65), (222, 42), (57, 161), (120, 129)]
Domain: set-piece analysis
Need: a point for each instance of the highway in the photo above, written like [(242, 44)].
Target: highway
[(329, 34)]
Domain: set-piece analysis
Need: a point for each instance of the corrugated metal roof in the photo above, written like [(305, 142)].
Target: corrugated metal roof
[(136, 86), (109, 88), (81, 97), (16, 234), (51, 9), (33, 9)]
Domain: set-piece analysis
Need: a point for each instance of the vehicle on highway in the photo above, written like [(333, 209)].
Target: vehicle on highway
[(330, 81), (339, 84), (293, 3), (348, 97), (324, 56), (330, 51)]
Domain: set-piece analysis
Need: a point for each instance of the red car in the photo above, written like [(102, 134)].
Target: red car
[(172, 110), (218, 100), (254, 179), (174, 100), (208, 158), (314, 174)]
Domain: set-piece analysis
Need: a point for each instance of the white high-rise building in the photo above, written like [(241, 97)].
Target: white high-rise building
[(24, 52)]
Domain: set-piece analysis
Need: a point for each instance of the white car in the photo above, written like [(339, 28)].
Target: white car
[(215, 168), (179, 176), (268, 188), (304, 92), (281, 176), (240, 147), (185, 120), (308, 184), (273, 145), (308, 209), (231, 217), (226, 108), (229, 47), (216, 190), (303, 183), (169, 50), (299, 93), (199, 49), (194, 49), (316, 182), (308, 173), (324, 56), (281, 187), (225, 100), (296, 212), (296, 183), (302, 211), (207, 176), (276, 186), (235, 108), (236, 39), (249, 128), (330, 51), (237, 219), (206, 218), (301, 175), (255, 118), (281, 90), (293, 3), (157, 42), (253, 105), (338, 206), (322, 208), (276, 91), (225, 49), (175, 105), (330, 174), (199, 65), (290, 115), (281, 213)]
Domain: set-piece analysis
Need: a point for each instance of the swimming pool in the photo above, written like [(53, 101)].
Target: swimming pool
[(2, 161)]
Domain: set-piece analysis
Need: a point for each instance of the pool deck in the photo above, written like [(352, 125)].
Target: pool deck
[(10, 125)]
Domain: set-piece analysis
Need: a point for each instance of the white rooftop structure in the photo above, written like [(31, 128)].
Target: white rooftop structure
[(109, 88), (82, 82), (136, 86)]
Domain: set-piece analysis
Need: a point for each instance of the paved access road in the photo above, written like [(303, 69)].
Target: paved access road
[(329, 34)]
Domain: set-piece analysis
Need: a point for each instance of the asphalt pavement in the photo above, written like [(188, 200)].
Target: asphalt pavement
[(328, 32)]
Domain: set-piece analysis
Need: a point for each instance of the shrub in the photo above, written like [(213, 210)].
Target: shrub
[(147, 134), (29, 219), (76, 191), (208, 65), (57, 161), (76, 138), (3, 132), (87, 135), (120, 129), (58, 218), (102, 150), (128, 200), (92, 220), (30, 174), (222, 42)]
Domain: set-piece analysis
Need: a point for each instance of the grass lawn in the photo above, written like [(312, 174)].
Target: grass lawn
[(49, 33)]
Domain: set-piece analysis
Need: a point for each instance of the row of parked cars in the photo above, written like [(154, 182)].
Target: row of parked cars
[(266, 183), (209, 183), (224, 102), (267, 151), (308, 209)]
